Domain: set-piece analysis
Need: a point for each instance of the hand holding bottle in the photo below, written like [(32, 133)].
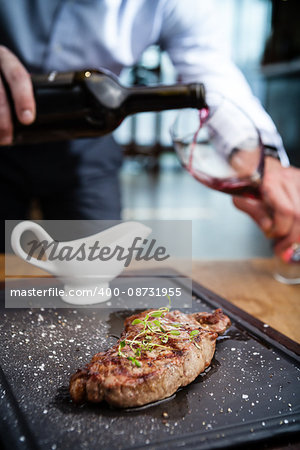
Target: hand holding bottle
[(84, 103), (14, 74)]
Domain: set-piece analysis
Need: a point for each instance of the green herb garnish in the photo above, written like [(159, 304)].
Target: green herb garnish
[(143, 340)]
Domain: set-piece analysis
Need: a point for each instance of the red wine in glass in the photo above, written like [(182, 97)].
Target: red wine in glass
[(212, 168), (233, 186), (223, 150)]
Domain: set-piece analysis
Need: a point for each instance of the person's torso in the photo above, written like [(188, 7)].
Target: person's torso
[(76, 34)]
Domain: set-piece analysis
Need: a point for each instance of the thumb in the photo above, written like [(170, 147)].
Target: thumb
[(256, 210)]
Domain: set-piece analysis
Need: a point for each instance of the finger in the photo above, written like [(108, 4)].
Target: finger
[(20, 85), (281, 245), (6, 128), (291, 186), (257, 210), (292, 189), (283, 210), (283, 213)]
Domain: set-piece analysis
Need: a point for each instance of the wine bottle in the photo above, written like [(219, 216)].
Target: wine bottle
[(91, 103)]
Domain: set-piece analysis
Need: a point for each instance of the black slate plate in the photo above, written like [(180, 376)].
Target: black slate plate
[(250, 394)]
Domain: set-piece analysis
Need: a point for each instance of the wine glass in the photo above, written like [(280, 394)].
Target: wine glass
[(221, 148)]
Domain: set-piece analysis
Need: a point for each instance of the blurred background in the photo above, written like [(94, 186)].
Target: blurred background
[(265, 44)]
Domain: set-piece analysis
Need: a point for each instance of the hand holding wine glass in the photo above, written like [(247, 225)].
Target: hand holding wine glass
[(281, 195), (223, 149)]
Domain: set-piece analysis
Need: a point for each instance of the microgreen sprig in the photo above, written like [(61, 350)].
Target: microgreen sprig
[(193, 334), (121, 345), (152, 324)]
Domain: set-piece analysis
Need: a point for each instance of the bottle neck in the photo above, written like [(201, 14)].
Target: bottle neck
[(142, 99)]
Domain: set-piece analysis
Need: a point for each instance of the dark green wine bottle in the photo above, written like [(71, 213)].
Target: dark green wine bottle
[(91, 103)]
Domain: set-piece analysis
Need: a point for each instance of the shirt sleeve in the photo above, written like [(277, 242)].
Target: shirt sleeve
[(193, 37)]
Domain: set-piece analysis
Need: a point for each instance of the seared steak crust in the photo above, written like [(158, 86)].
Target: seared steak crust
[(115, 379)]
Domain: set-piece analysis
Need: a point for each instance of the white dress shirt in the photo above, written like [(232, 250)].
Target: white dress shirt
[(76, 34)]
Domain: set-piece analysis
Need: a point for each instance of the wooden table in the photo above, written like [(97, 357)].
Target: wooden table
[(250, 286), (247, 284)]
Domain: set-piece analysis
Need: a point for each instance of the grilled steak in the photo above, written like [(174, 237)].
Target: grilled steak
[(173, 359)]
